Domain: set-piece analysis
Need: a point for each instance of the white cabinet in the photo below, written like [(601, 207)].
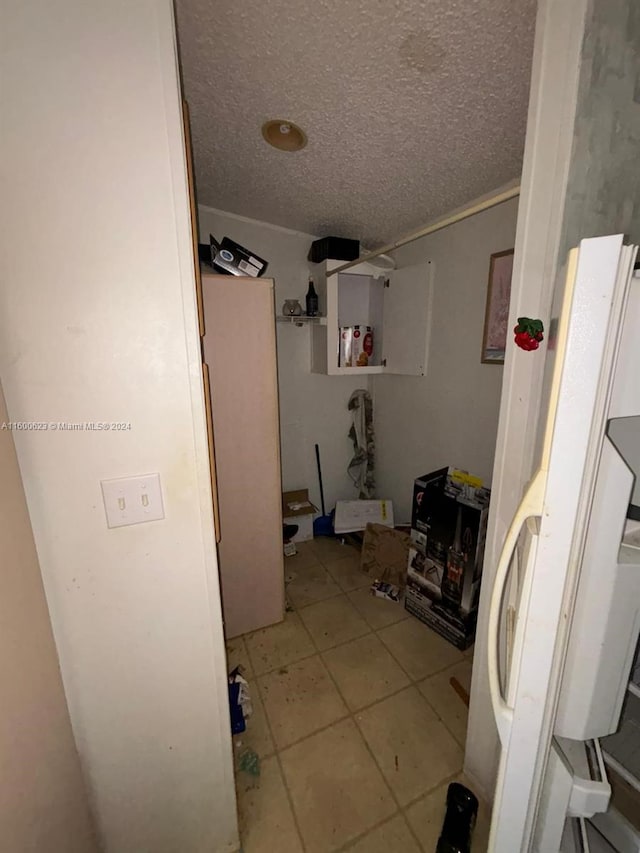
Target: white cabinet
[(397, 306)]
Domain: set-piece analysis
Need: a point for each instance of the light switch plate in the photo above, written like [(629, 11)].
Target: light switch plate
[(132, 500)]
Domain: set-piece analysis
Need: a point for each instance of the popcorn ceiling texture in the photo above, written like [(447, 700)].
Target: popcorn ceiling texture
[(412, 107)]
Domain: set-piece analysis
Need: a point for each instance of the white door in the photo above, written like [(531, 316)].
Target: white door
[(582, 347)]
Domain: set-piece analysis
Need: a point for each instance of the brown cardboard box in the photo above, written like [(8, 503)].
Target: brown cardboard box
[(298, 509), (384, 554)]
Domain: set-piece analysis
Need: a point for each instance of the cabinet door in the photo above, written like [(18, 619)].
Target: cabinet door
[(407, 320)]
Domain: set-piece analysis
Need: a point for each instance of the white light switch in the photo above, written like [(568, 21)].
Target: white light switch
[(132, 500)]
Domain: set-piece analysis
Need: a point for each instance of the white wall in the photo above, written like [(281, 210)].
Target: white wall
[(449, 416), (313, 408), (98, 323)]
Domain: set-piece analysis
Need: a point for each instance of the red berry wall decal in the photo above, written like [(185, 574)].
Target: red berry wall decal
[(528, 333)]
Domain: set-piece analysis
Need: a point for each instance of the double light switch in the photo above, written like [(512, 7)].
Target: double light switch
[(132, 500)]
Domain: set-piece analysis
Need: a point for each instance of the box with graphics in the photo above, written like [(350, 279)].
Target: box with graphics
[(448, 531)]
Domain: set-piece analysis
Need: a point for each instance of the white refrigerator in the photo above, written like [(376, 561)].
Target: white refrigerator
[(565, 606)]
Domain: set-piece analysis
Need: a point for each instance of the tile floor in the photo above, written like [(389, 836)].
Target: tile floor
[(357, 727)]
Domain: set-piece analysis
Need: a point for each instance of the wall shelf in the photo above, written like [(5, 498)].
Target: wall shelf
[(354, 371), (301, 320)]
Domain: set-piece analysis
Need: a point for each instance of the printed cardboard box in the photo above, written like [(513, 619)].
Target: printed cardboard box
[(444, 568)]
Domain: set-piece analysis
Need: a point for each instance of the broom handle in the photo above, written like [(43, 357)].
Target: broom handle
[(320, 478)]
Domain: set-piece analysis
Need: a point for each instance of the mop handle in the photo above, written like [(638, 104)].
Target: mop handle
[(320, 478)]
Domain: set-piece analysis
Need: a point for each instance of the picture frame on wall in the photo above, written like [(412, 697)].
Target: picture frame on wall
[(496, 315)]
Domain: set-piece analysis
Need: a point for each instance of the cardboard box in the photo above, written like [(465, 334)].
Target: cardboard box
[(426, 573), (298, 509), (230, 257), (423, 608), (388, 591), (444, 568), (384, 554)]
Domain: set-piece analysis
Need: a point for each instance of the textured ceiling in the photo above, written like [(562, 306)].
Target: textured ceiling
[(412, 107)]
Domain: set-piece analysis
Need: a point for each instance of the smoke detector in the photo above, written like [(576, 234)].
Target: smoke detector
[(284, 135)]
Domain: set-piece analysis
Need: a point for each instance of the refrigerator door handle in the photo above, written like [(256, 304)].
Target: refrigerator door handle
[(530, 506)]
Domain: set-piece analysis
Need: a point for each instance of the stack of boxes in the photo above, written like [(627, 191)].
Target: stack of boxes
[(448, 532)]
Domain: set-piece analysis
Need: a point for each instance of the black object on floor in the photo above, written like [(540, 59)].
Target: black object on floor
[(459, 820), (289, 531)]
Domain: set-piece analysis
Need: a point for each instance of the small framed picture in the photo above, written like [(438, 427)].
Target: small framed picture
[(496, 315)]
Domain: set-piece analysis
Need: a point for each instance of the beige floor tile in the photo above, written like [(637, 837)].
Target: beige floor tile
[(413, 749), (364, 671), (446, 702), (468, 653), (311, 583), (333, 621), (237, 655), (336, 788), (377, 611), (418, 649), (427, 814), (346, 573), (256, 735), (305, 557), (328, 548), (392, 837), (279, 645), (300, 699), (266, 820)]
